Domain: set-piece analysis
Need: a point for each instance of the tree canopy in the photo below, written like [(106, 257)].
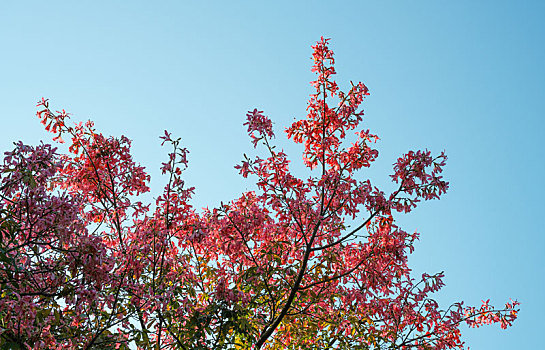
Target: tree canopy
[(299, 263)]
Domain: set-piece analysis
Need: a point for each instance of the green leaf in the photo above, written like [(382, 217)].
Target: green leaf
[(10, 346)]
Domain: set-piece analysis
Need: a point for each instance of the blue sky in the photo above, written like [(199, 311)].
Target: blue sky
[(461, 76)]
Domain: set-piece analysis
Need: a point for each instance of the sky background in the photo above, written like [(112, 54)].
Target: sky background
[(461, 76)]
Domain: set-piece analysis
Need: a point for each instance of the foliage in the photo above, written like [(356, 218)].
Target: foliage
[(85, 264)]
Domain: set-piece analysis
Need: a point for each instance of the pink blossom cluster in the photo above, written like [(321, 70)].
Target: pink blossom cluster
[(260, 124)]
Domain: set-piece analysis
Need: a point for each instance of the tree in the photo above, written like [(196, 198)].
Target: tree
[(85, 264)]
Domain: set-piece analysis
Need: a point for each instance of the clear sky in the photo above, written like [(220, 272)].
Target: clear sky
[(461, 76)]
